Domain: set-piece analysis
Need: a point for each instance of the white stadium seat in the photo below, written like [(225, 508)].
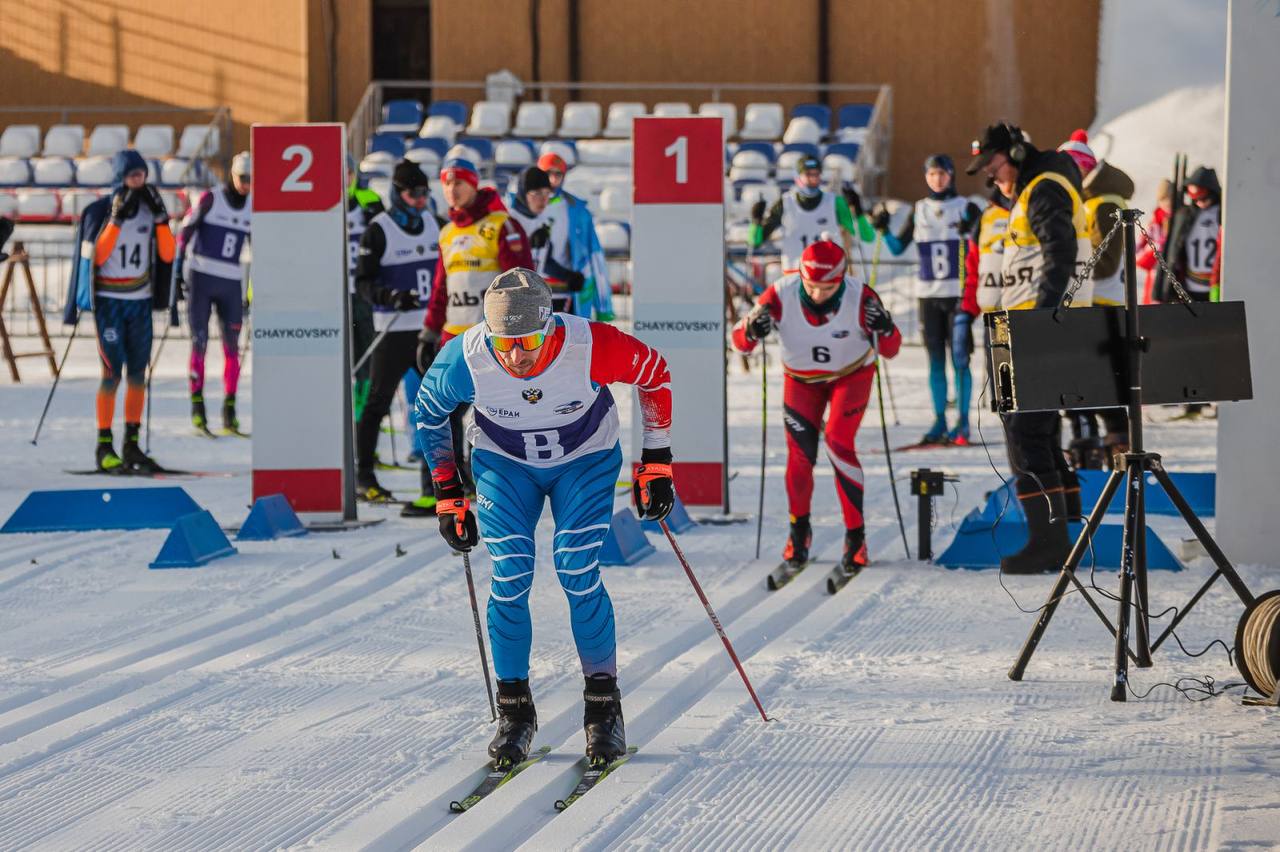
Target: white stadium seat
[(508, 153), (174, 171), (605, 152), (750, 165), (107, 139), (378, 163), (787, 162), (753, 192), (729, 112), (382, 185), (199, 140), (8, 205), (64, 140), (672, 109), (490, 118), (75, 200), (37, 205), (426, 158), (175, 202), (535, 118), (565, 151), (52, 171), (613, 236), (465, 152), (802, 129), (615, 201), (20, 140), (620, 116), (580, 120), (95, 171), (585, 183), (439, 127), (838, 165), (154, 140), (852, 134), (762, 121), (14, 171)]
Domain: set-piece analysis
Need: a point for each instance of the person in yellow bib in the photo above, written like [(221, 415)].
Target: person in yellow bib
[(1046, 237)]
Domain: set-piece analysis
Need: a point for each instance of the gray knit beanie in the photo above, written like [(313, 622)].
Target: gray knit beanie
[(517, 302)]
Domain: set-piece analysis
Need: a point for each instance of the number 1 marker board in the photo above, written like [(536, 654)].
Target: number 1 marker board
[(677, 252), (301, 387)]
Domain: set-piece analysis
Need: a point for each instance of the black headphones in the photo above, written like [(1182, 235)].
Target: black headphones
[(1018, 150)]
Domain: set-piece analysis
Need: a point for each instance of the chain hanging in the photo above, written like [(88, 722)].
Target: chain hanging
[(1086, 271), (1173, 279)]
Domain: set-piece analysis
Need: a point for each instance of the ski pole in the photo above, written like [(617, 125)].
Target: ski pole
[(475, 614), (875, 274), (151, 369), (764, 436), (56, 377), (888, 453), (369, 351), (715, 622)]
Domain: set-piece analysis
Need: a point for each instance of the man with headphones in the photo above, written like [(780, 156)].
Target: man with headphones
[(1046, 237)]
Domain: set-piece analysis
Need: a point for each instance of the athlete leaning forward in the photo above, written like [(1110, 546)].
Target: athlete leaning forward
[(546, 428)]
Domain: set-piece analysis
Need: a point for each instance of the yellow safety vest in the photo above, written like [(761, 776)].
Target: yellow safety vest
[(471, 263), (991, 230), (1024, 256), (1109, 290)]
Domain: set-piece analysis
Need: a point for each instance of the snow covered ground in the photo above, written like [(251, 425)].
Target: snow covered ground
[(325, 692)]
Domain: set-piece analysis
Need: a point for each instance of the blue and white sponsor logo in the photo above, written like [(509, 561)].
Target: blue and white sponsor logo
[(569, 407), (484, 501), (499, 411), (841, 334)]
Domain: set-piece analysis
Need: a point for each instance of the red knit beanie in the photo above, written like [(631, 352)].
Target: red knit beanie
[(822, 261)]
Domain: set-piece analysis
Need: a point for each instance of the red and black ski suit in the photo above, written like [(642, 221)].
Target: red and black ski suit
[(807, 394)]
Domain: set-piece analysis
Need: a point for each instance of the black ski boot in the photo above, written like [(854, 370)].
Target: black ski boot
[(369, 490), (796, 551), (1047, 541), (135, 460), (602, 720), (855, 551), (105, 458), (517, 722), (198, 417), (230, 423)]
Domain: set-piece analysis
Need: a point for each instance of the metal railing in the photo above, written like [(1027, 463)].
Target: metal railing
[(873, 157)]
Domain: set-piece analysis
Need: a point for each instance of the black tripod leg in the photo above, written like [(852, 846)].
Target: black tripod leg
[(1142, 624), (1225, 568), (1066, 576), (1133, 476)]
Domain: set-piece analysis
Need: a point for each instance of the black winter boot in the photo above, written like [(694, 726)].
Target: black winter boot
[(602, 720), (855, 551), (135, 460), (517, 722), (1047, 542), (105, 458)]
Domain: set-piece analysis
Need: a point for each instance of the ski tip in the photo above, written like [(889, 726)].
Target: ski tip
[(561, 804), (456, 807), (771, 584)]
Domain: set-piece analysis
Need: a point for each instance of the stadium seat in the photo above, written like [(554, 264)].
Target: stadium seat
[(615, 237), (154, 140), (839, 166), (402, 116), (820, 113), (803, 129), (389, 143), (73, 201), (849, 150), (381, 184), (15, 171), (580, 120), (455, 111), (426, 158), (52, 171), (762, 121), (514, 152), (854, 115), (153, 171), (750, 165), (604, 152), (620, 115), (482, 149), (567, 150), (729, 112), (791, 154), (177, 171), (107, 139), (20, 140), (64, 140), (767, 149), (440, 146), (199, 140), (378, 163), (585, 183), (490, 118), (672, 109), (95, 171), (752, 191), (615, 201), (535, 118), (439, 127), (8, 205), (176, 202), (37, 205)]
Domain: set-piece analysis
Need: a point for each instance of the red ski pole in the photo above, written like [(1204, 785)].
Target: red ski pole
[(711, 613)]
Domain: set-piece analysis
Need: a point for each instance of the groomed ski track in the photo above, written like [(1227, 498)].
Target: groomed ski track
[(285, 698)]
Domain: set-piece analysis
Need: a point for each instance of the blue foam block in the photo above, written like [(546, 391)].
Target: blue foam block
[(678, 521), (1197, 489), (981, 541), (194, 540), (100, 509), (270, 518), (626, 543)]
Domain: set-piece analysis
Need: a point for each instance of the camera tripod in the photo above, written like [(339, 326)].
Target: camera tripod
[(1132, 468)]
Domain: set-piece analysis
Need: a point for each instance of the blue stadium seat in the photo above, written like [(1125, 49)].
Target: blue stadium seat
[(854, 115), (479, 144), (566, 148), (401, 116), (803, 148), (455, 110), (820, 113), (390, 143), (845, 149), (765, 148), (440, 146)]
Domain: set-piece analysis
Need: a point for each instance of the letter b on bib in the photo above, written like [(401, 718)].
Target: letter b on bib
[(542, 446)]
